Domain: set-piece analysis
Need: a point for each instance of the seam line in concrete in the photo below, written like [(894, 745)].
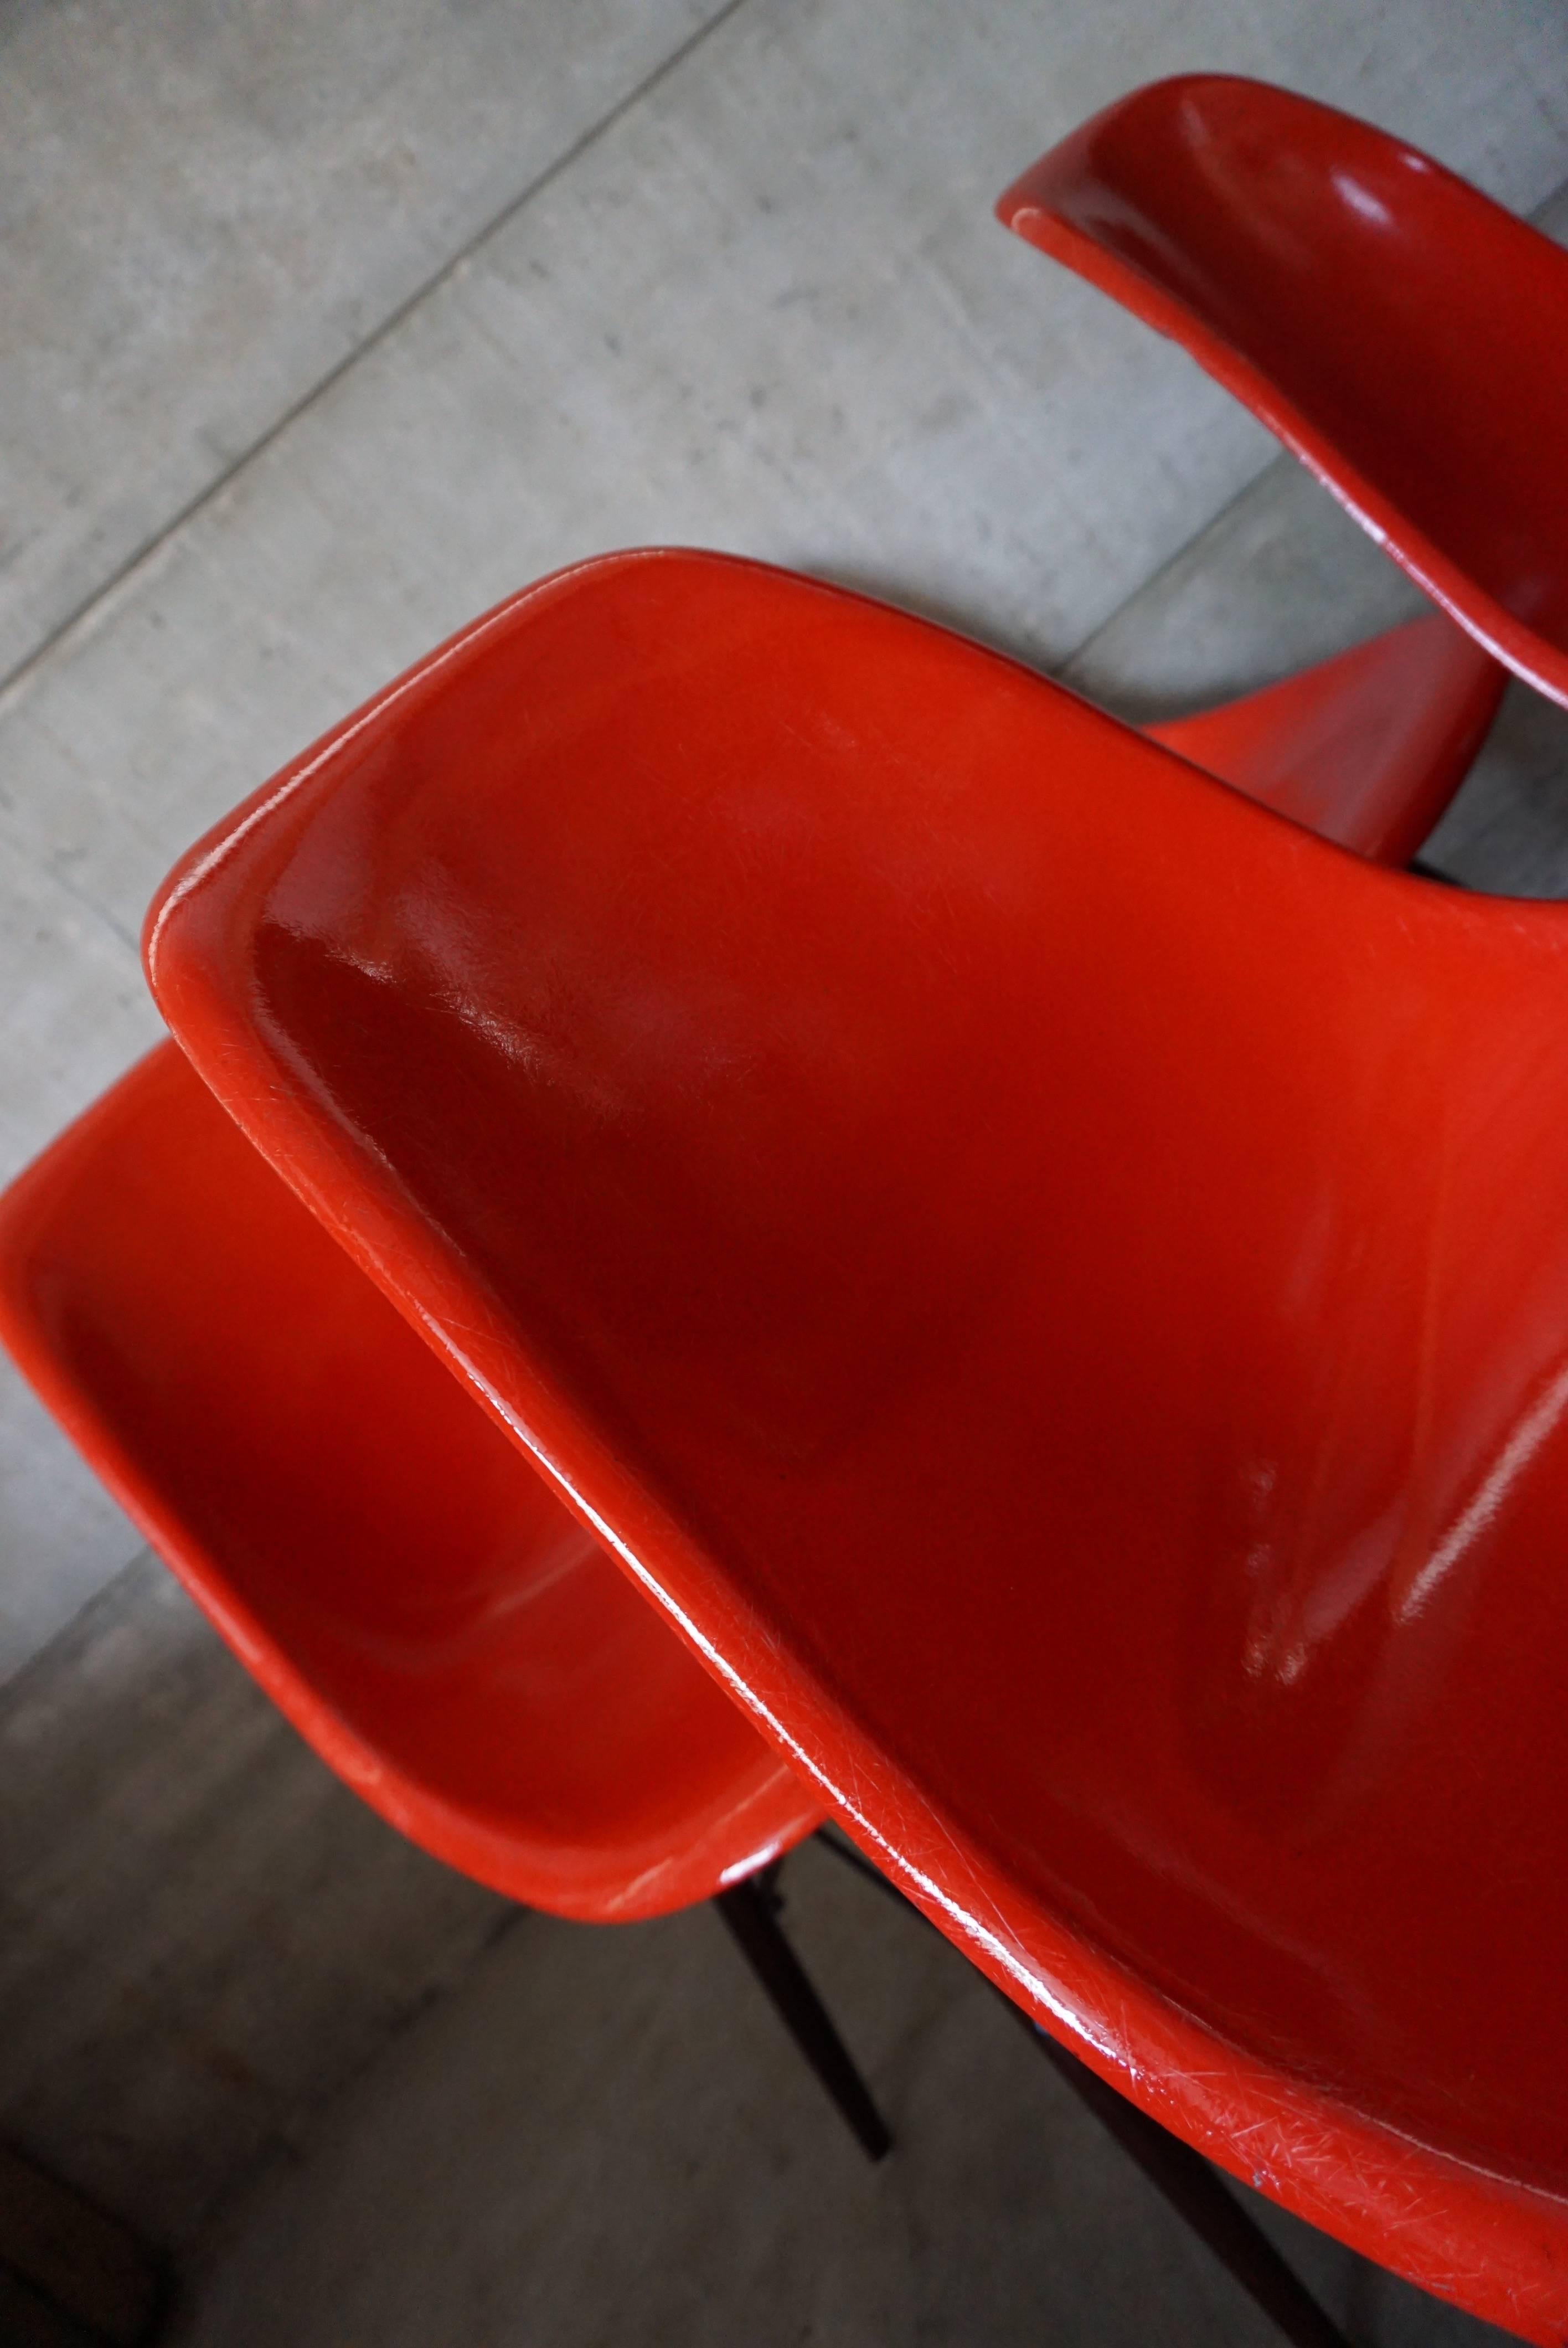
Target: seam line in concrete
[(1237, 496), (378, 333)]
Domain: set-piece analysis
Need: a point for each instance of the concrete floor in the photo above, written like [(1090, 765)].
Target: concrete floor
[(330, 327), (607, 2137)]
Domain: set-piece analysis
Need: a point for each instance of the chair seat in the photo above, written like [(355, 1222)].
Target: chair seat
[(1395, 327), (1055, 1278), (390, 1567)]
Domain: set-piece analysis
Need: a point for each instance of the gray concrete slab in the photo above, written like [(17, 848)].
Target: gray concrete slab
[(1281, 577), (604, 2136), (1508, 828), (202, 1932), (768, 310), (207, 209)]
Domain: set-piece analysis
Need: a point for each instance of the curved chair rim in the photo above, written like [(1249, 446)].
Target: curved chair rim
[(1068, 205)]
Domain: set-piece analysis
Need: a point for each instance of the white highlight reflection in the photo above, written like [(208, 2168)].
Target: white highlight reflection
[(1511, 1463), (1361, 199)]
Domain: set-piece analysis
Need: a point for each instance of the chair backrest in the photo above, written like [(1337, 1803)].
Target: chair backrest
[(1056, 1278), (1399, 330)]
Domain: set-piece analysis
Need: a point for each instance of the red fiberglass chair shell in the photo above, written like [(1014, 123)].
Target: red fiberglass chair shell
[(1396, 328), (392, 1570), (1367, 748), (1054, 1279)]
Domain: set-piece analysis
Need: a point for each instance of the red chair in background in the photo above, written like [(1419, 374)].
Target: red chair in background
[(1395, 327), (1056, 1281), (389, 1567)]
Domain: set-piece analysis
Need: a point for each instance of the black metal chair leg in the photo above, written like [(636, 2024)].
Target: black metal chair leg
[(751, 1911), (1196, 2193), (1182, 2177)]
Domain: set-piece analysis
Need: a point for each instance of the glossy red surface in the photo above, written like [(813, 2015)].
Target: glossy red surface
[(1369, 749), (1055, 1279), (388, 1565), (1397, 329)]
